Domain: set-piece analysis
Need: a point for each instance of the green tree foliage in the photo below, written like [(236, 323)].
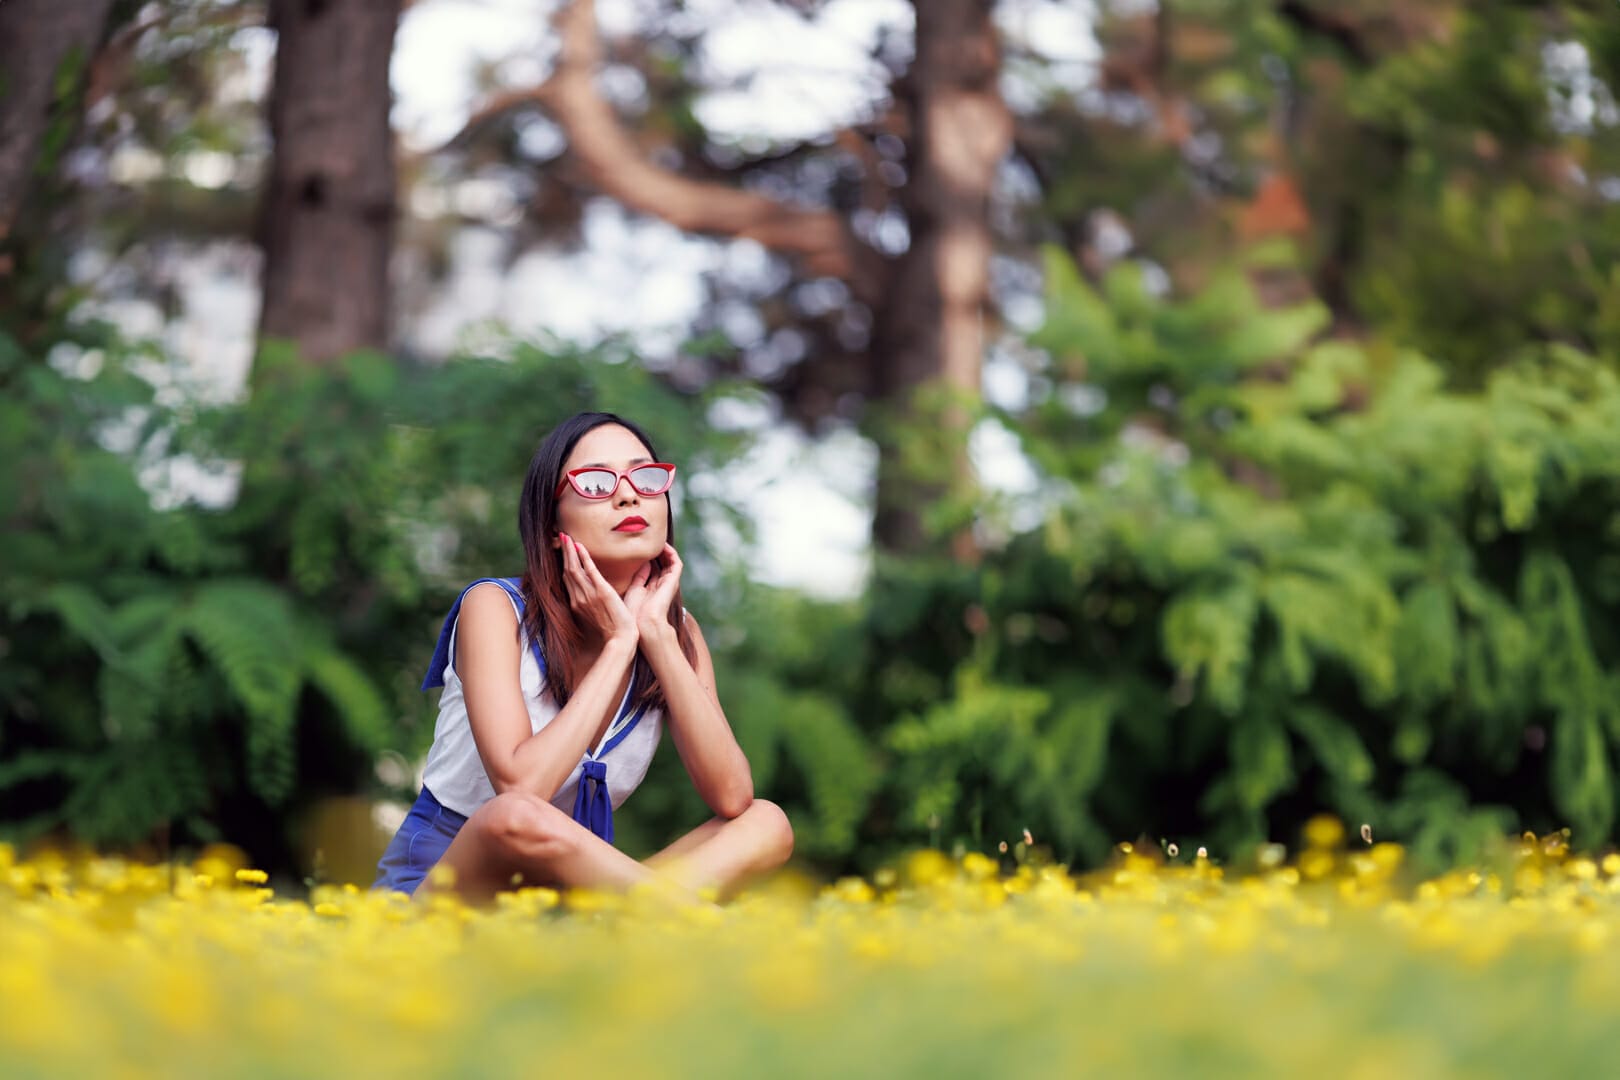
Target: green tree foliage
[(789, 671), (195, 670), (209, 669), (1445, 169), (1277, 574), (1272, 573)]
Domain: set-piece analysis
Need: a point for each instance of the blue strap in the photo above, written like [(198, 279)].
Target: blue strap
[(441, 652), (592, 807), (618, 736)]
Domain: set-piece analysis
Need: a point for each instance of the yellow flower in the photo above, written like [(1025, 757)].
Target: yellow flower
[(1324, 831), (112, 968)]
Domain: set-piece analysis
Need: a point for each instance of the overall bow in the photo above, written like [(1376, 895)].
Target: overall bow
[(592, 807)]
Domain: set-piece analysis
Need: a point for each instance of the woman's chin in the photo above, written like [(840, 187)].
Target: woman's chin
[(629, 547)]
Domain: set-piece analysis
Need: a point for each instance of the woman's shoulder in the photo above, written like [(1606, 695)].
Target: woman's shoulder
[(488, 602)]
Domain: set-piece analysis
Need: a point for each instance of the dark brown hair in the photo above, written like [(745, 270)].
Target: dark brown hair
[(547, 617)]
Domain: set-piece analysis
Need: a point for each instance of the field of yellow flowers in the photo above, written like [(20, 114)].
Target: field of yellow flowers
[(1329, 964)]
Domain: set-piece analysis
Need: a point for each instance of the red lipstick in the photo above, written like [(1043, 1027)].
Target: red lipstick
[(631, 524)]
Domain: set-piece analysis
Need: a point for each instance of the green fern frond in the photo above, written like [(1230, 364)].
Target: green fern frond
[(315, 548), (1206, 631), (128, 795), (146, 614), (38, 764), (1262, 763), (1076, 742), (1571, 677), (837, 765), (85, 615), (1427, 645), (136, 691), (754, 706), (248, 632), (1334, 743), (360, 707), (1582, 782), (272, 765), (979, 714)]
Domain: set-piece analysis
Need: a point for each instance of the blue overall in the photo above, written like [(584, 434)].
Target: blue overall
[(430, 826)]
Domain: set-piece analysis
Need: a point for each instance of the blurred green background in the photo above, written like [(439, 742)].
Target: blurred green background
[(1230, 389)]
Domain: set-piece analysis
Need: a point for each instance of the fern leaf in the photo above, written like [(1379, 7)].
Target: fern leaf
[(135, 691), (754, 705), (1078, 738), (38, 764), (1334, 743), (1262, 764), (1582, 785), (84, 614), (249, 634), (1079, 324), (1207, 631), (837, 765), (1426, 643), (361, 708)]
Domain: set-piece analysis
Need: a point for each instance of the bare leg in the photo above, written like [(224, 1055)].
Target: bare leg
[(687, 843), (517, 833), (722, 853)]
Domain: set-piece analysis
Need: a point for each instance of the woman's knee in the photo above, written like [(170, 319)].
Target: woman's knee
[(523, 824), (776, 829)]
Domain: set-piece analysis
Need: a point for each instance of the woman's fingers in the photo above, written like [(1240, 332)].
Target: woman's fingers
[(565, 548), (575, 578), (613, 604), (593, 597), (594, 575), (662, 594), (671, 575)]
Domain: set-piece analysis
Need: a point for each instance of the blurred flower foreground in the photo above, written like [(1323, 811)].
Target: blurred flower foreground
[(1335, 962)]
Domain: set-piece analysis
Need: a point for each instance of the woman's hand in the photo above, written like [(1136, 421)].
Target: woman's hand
[(652, 611), (635, 597), (594, 602)]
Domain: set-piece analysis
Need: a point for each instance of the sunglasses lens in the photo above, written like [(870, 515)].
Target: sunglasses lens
[(596, 483), (651, 480)]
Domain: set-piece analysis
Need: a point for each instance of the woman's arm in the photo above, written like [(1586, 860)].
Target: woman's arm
[(488, 658), (703, 737)]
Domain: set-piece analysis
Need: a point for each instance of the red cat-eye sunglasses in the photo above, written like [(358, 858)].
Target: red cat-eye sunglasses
[(596, 482)]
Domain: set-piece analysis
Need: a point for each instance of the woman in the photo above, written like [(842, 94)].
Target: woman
[(557, 686)]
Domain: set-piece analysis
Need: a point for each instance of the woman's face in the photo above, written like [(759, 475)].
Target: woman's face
[(607, 527)]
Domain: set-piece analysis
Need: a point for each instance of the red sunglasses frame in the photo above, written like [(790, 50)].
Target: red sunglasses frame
[(568, 480)]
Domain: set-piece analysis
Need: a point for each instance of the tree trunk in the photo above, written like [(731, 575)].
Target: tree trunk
[(931, 327), (327, 223), (928, 304), (40, 41)]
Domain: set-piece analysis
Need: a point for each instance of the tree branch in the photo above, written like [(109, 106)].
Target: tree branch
[(495, 108), (1338, 29), (1143, 69), (615, 166)]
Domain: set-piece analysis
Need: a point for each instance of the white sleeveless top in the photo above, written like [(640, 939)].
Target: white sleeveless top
[(455, 773)]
